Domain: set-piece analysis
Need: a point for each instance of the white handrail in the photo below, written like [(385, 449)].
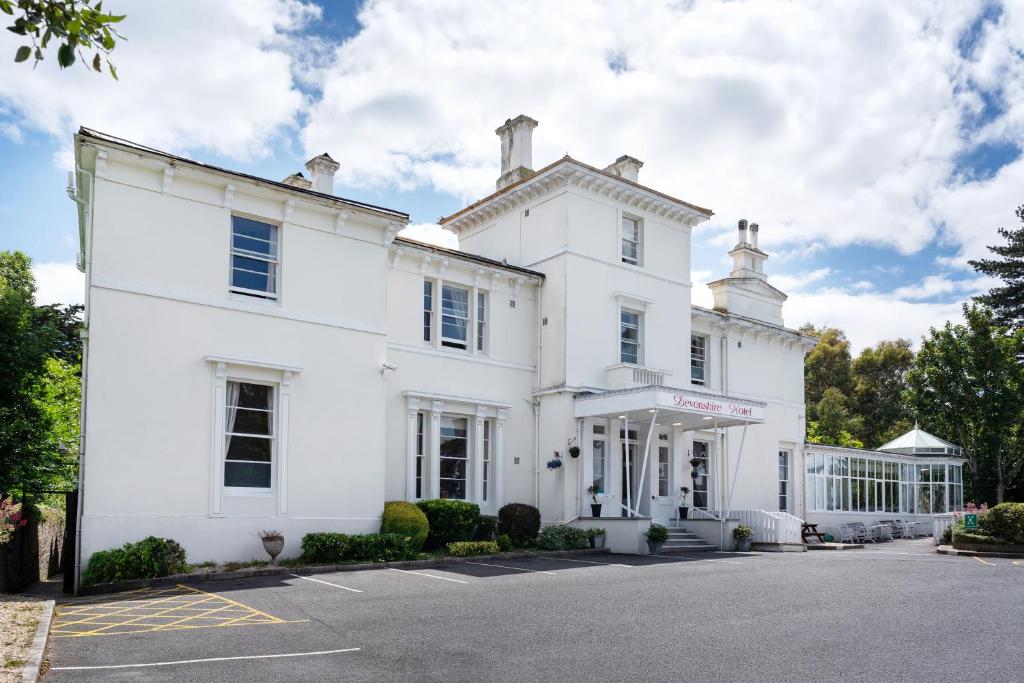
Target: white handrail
[(701, 513), (632, 513), (770, 527)]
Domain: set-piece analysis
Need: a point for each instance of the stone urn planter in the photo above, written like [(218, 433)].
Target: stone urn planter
[(273, 543)]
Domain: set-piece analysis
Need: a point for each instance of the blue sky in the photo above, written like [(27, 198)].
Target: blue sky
[(877, 161)]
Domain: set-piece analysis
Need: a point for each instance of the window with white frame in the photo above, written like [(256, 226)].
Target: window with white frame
[(421, 419), (428, 310), (600, 459), (454, 472), (851, 484), (454, 317), (632, 248), (698, 359), (629, 336), (664, 465), (254, 258), (481, 321), (249, 436), (783, 481)]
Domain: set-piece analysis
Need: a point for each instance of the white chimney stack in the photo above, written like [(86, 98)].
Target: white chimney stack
[(753, 235), (321, 172), (626, 167), (741, 228), (516, 150)]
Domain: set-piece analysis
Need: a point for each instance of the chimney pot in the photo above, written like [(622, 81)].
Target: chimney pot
[(741, 228), (298, 180), (753, 235), (516, 150), (626, 167), (321, 171)]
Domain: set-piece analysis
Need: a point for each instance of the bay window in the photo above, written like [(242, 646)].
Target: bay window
[(454, 317), (454, 460)]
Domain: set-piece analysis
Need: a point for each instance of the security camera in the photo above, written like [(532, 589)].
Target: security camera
[(387, 366)]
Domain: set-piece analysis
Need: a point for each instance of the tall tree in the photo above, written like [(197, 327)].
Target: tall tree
[(966, 384), (1007, 301), (879, 378), (827, 366), (75, 24), (834, 425)]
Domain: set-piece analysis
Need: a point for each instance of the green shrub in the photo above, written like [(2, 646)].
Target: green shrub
[(1004, 521), (487, 528), (326, 547), (470, 548), (405, 519), (563, 538), (505, 542), (520, 521), (450, 521), (656, 533), (742, 531), (146, 559)]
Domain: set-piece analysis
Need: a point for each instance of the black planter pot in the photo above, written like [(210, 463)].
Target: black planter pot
[(684, 511), (595, 509)]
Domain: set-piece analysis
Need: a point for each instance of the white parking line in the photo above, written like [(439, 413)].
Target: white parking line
[(430, 576), (200, 661), (327, 583), (518, 569), (566, 559), (711, 559)]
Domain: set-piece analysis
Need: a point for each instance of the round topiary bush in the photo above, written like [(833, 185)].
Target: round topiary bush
[(405, 519), (450, 521), (520, 521)]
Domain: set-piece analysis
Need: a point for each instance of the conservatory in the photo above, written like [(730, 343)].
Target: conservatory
[(916, 475)]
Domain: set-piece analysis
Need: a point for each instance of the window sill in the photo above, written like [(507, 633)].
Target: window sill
[(245, 295), (239, 491)]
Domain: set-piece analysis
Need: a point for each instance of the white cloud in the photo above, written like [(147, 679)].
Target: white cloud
[(58, 283), (937, 285), (193, 74), (431, 233), (799, 281), (742, 107), (867, 317)]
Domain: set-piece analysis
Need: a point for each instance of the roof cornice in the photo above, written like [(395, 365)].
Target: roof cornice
[(744, 324), (569, 172)]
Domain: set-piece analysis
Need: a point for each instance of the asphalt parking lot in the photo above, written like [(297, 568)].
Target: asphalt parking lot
[(895, 612)]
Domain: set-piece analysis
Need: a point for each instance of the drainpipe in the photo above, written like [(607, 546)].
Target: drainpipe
[(86, 244), (537, 399)]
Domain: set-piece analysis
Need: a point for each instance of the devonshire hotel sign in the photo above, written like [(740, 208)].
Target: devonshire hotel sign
[(720, 406)]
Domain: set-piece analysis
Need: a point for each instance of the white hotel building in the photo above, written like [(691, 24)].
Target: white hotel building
[(264, 354)]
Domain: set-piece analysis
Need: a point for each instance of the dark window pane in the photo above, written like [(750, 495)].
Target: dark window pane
[(451, 488), (254, 395), (249, 448), (247, 227), (251, 422), (452, 468), (247, 474)]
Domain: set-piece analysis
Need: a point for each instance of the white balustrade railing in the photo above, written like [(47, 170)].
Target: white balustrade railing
[(645, 377), (939, 525), (701, 513), (770, 527)]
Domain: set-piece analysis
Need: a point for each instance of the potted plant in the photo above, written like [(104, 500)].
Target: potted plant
[(684, 509), (595, 507), (656, 536), (742, 534), (273, 543), (596, 537), (555, 462)]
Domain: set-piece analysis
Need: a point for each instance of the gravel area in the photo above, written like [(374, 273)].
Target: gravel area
[(19, 616)]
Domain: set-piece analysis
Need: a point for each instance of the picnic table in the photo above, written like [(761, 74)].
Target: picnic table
[(811, 531)]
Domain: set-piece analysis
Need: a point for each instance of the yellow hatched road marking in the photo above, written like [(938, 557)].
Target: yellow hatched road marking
[(173, 609)]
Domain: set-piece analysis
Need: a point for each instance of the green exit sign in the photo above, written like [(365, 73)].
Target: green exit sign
[(971, 521)]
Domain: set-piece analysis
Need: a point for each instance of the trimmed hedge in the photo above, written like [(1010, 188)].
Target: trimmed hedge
[(563, 538), (1004, 521), (470, 548), (505, 543), (146, 559), (327, 547), (520, 521), (405, 519), (450, 521)]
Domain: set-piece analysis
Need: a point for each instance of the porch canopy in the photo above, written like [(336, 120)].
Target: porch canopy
[(686, 410), (689, 410)]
